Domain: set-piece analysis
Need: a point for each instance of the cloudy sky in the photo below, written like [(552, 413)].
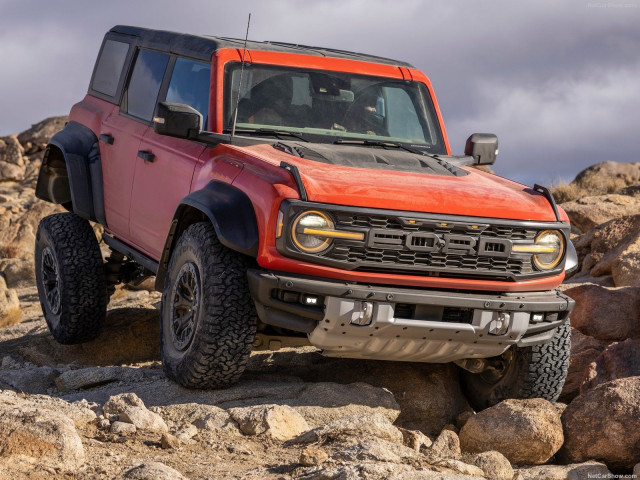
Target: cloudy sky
[(557, 80)]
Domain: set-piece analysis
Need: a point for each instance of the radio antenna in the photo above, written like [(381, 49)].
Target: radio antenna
[(244, 52)]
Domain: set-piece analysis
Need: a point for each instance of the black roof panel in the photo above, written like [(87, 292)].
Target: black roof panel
[(203, 46)]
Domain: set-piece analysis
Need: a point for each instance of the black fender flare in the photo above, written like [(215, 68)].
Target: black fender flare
[(80, 150), (229, 210)]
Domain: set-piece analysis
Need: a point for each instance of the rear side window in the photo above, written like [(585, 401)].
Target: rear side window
[(190, 85), (109, 68), (142, 92)]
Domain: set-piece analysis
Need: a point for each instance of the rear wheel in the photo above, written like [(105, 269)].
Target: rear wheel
[(208, 320), (532, 372), (70, 278)]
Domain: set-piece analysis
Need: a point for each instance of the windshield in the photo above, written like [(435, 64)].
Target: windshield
[(333, 105)]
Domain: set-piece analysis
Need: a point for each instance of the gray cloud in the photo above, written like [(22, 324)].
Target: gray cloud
[(556, 80)]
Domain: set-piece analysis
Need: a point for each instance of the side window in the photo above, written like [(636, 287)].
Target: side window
[(142, 92), (190, 85), (109, 67)]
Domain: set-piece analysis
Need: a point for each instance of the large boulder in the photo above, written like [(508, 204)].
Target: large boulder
[(588, 212), (39, 435), (36, 137), (584, 350), (618, 360), (608, 177), (602, 424), (612, 249), (527, 432), (354, 427), (153, 471), (494, 465), (12, 162), (575, 471), (608, 314)]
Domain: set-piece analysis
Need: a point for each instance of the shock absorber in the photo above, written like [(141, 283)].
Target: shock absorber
[(112, 269)]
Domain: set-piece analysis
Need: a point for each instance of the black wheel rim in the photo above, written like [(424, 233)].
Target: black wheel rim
[(185, 306), (50, 280)]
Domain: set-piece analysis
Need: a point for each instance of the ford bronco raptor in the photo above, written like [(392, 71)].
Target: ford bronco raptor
[(288, 195)]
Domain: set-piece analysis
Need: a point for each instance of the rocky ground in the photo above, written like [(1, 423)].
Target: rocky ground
[(104, 409)]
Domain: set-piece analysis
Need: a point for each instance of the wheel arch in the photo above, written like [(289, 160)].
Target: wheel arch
[(71, 173), (229, 210)]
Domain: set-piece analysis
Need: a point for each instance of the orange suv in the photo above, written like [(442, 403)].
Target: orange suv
[(285, 195)]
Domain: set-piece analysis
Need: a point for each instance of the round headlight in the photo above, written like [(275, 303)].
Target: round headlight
[(551, 242), (311, 220)]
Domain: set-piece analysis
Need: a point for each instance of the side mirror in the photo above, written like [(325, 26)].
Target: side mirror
[(483, 147), (177, 120)]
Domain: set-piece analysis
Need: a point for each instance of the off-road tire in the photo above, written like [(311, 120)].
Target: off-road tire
[(216, 352), (531, 372), (71, 284)]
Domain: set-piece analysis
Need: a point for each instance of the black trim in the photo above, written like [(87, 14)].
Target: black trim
[(106, 138), (80, 149), (229, 210), (547, 194), (293, 170), (203, 47), (131, 40), (130, 252)]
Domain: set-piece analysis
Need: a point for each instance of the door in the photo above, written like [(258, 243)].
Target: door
[(122, 132), (163, 177)]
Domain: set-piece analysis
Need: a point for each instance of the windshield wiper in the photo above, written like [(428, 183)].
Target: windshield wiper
[(379, 143), (270, 131)]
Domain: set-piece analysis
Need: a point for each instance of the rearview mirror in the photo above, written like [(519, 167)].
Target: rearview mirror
[(483, 147), (177, 120)]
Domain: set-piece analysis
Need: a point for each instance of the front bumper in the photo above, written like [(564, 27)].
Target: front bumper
[(407, 324)]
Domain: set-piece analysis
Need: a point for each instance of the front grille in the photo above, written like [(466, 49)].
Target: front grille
[(423, 244), (389, 248)]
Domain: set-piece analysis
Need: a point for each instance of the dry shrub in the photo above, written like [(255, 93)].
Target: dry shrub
[(10, 250), (566, 192), (590, 187), (10, 317)]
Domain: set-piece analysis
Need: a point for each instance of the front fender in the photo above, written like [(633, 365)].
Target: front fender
[(229, 210)]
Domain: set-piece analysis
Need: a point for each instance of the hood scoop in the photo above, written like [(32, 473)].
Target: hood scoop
[(370, 157)]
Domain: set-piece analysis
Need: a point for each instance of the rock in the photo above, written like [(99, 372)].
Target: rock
[(601, 424), (117, 404), (607, 177), (578, 471), (353, 427), (40, 133), (153, 471), (589, 212), (312, 455), (409, 383), (186, 432), (279, 422), (527, 432), (17, 240), (494, 465), (28, 378), (605, 313), (584, 350), (611, 247), (618, 360), (447, 445), (80, 412), (462, 418), (40, 435), (415, 439), (18, 273), (626, 270), (11, 172), (144, 419), (375, 450), (168, 441), (9, 305), (456, 466), (94, 376), (123, 428), (636, 470), (11, 151)]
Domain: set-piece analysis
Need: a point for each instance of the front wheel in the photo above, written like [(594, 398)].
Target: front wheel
[(208, 320), (531, 372)]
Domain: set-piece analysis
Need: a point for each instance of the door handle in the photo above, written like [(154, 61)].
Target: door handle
[(106, 138), (146, 156)]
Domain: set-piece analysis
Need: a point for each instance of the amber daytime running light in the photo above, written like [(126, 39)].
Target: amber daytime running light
[(313, 231)]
